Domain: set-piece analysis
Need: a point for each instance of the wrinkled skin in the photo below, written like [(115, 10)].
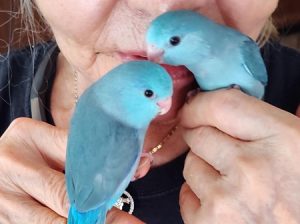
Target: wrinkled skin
[(250, 175), (244, 161)]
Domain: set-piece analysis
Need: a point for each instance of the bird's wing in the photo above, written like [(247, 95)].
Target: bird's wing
[(101, 165), (253, 62)]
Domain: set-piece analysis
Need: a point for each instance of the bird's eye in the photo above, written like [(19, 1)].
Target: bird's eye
[(175, 40), (148, 93)]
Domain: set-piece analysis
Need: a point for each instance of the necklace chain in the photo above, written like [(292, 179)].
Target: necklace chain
[(161, 144), (76, 92)]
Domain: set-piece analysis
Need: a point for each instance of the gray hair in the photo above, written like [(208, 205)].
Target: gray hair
[(268, 32), (33, 24)]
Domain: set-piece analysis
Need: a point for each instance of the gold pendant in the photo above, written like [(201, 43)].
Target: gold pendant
[(125, 203)]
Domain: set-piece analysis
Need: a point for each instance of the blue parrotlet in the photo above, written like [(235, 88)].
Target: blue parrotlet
[(106, 136), (217, 55)]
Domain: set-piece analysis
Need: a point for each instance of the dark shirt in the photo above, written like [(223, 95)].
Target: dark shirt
[(26, 78)]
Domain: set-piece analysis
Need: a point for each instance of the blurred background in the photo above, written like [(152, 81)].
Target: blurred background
[(12, 33)]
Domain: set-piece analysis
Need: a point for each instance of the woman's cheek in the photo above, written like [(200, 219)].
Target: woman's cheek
[(78, 21), (247, 16)]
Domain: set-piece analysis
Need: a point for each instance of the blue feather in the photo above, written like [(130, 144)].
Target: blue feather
[(76, 217), (217, 55), (106, 137)]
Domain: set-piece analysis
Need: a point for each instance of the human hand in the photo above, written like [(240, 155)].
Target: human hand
[(32, 186), (244, 161), (32, 183)]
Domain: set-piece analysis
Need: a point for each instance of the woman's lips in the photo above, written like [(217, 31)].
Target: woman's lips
[(133, 56), (177, 73)]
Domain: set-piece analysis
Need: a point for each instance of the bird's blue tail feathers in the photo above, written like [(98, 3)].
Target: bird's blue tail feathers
[(96, 216)]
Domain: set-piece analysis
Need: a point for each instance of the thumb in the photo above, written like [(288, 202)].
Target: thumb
[(236, 114), (116, 216)]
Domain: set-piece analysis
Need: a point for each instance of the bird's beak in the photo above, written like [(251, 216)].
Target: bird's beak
[(164, 105), (155, 54)]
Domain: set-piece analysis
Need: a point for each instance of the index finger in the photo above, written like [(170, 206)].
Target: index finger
[(236, 114), (48, 140)]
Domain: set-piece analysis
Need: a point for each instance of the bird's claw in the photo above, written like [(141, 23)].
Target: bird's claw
[(144, 166), (234, 86)]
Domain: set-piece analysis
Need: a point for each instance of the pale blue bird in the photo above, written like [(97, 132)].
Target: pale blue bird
[(218, 56), (107, 133)]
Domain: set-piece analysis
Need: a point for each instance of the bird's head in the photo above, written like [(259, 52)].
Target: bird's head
[(142, 90), (172, 37)]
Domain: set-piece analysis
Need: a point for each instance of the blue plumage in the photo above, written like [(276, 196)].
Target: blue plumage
[(218, 56), (106, 136)]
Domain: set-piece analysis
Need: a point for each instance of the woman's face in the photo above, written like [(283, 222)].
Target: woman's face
[(97, 35)]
